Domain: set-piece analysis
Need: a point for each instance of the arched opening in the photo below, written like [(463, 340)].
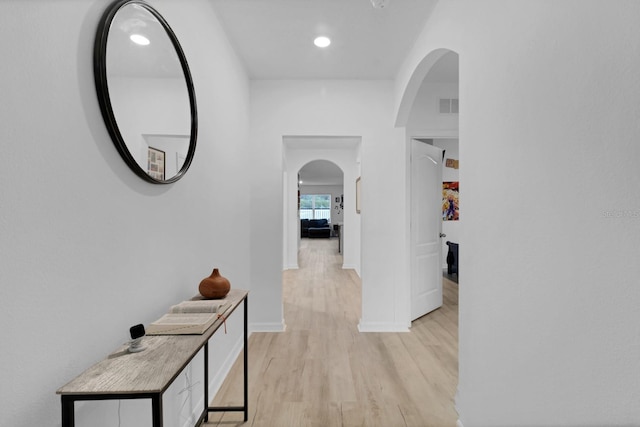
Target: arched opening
[(415, 83), (433, 119), (429, 112), (343, 153)]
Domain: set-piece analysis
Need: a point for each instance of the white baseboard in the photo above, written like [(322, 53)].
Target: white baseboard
[(352, 267), (291, 267), (381, 327), (267, 327), (456, 404)]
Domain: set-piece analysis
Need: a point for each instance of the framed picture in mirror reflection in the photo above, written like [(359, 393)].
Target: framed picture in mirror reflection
[(156, 163)]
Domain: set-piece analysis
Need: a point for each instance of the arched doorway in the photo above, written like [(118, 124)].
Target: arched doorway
[(321, 201), (429, 112), (344, 153)]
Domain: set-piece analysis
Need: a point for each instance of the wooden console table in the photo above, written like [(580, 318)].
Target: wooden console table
[(149, 373)]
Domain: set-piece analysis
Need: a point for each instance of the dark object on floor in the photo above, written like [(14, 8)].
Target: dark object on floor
[(452, 258), (319, 228), (315, 228)]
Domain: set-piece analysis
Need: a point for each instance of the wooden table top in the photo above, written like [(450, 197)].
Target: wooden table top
[(148, 371)]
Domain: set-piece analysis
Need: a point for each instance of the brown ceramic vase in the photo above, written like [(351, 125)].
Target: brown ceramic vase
[(214, 286)]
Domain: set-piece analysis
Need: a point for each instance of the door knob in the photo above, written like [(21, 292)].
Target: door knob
[(442, 235)]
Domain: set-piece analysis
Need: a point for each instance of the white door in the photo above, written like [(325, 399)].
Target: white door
[(426, 226)]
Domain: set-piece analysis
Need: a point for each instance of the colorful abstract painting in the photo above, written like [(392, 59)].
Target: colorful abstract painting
[(450, 201)]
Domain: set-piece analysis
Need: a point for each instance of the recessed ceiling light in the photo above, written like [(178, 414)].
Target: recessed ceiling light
[(139, 39), (322, 41)]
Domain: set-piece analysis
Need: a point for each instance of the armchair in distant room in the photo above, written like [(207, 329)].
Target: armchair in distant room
[(315, 228)]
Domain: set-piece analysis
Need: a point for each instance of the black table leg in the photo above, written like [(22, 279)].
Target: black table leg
[(244, 408), (246, 362), (206, 381), (68, 415), (156, 410)]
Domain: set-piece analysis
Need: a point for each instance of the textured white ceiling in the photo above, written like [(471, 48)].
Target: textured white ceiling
[(274, 38)]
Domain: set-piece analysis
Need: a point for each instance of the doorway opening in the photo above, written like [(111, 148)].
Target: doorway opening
[(429, 112), (306, 155), (321, 201), (329, 164)]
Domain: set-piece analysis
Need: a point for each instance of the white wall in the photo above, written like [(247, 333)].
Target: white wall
[(425, 117), (342, 108), (88, 248), (549, 331)]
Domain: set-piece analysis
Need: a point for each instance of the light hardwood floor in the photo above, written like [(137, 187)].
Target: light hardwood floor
[(323, 372)]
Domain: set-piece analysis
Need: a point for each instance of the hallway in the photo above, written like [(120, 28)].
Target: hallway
[(323, 372)]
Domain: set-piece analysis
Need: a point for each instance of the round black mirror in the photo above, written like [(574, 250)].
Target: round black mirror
[(145, 91)]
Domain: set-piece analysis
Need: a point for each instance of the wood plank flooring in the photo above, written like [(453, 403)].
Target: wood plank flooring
[(323, 372)]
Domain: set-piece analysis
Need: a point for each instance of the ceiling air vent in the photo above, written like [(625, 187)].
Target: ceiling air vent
[(448, 105)]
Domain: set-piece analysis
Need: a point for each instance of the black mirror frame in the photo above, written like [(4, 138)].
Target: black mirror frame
[(102, 88)]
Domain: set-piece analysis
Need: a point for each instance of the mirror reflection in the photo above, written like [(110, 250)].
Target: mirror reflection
[(148, 98)]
